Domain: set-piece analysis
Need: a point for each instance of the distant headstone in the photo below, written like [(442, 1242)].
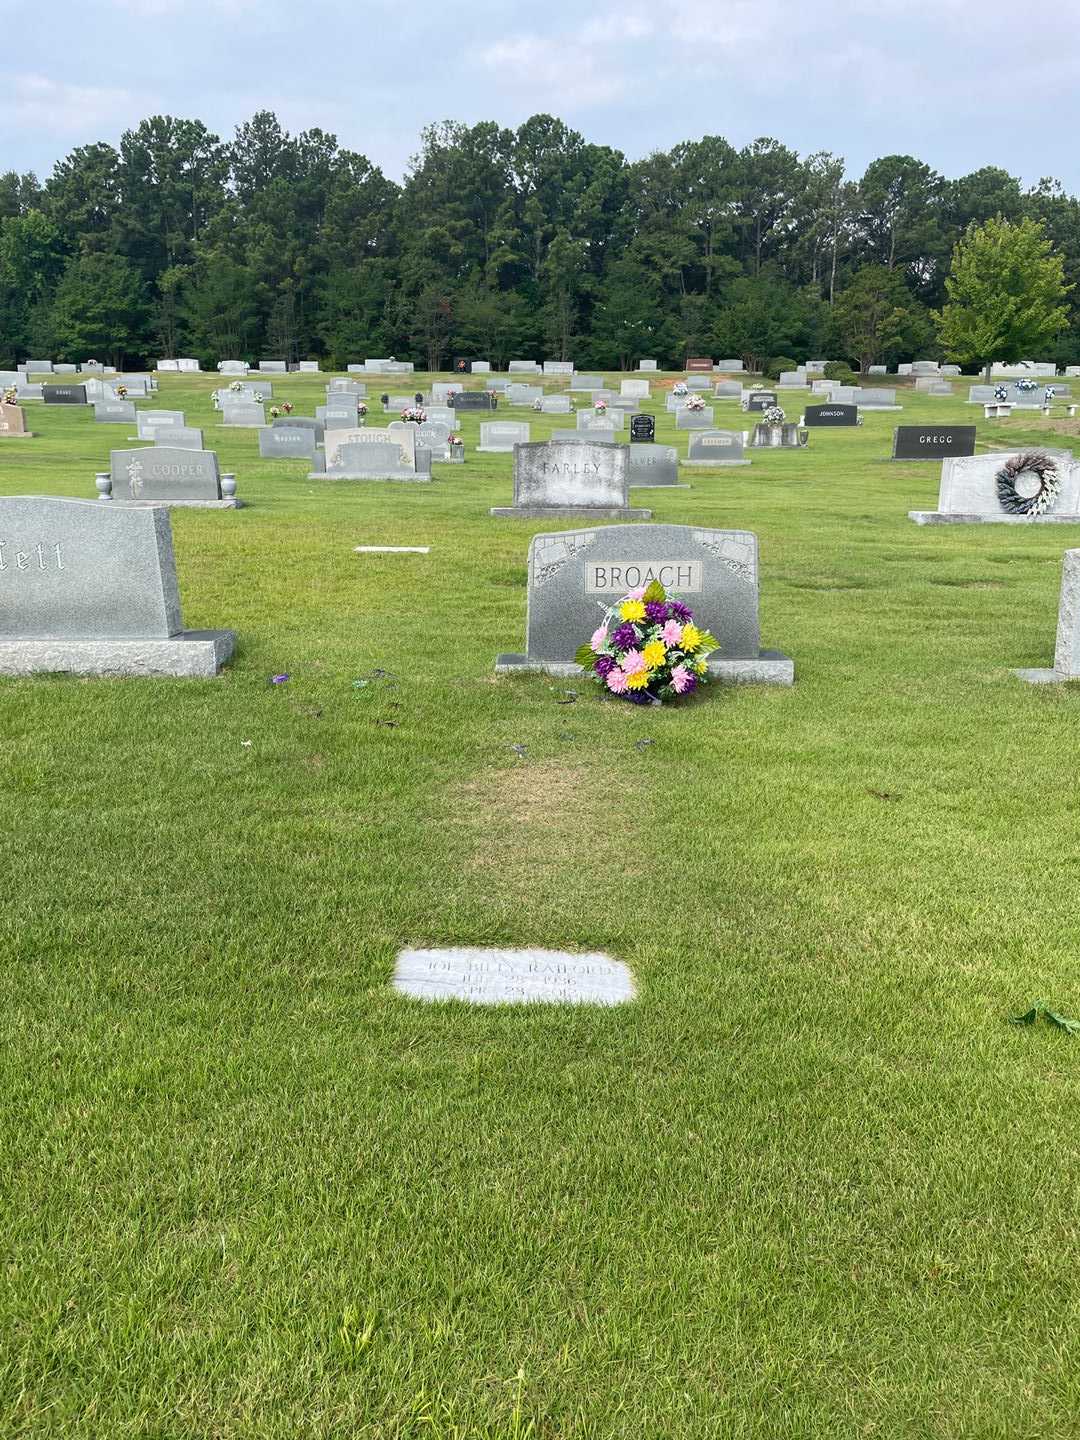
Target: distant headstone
[(115, 412), (727, 390), (932, 442), (167, 474), (698, 383), (524, 367), (594, 436), (243, 413), (757, 400), (64, 394), (473, 400), (648, 367), (273, 367), (600, 420), (559, 478), (837, 416), (309, 367), (555, 405), (642, 429), (575, 575), (300, 422), (558, 367), (995, 489), (699, 364), (12, 421), (729, 367), (149, 422), (874, 399), (587, 383), (654, 467), (635, 389), (365, 459), (518, 394), (89, 589), (714, 448), (294, 442), (180, 437), (498, 437), (687, 419)]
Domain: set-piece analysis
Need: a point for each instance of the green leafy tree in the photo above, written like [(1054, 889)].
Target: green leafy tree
[(876, 316), (100, 309), (1006, 292)]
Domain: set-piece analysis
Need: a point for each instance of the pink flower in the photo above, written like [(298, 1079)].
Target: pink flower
[(616, 682), (632, 662), (671, 634), (638, 594), (599, 638), (681, 679)]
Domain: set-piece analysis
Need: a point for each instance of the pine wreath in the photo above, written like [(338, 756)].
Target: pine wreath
[(1033, 462)]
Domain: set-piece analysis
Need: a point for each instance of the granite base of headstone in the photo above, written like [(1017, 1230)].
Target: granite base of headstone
[(87, 589), (1067, 648), (575, 575), (992, 490), (575, 478)]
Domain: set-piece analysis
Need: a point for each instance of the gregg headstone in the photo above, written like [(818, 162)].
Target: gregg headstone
[(574, 576), (571, 478), (90, 589), (932, 442)]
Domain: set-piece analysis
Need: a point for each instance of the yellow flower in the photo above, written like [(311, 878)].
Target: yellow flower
[(639, 680), (632, 610), (691, 637), (702, 667), (654, 654)]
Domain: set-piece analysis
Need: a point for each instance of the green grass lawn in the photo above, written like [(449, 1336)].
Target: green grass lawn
[(810, 1184)]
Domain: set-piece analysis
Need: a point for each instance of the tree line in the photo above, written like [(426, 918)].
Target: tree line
[(499, 244)]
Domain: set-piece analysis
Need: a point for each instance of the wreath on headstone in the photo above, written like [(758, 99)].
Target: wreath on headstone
[(1032, 463)]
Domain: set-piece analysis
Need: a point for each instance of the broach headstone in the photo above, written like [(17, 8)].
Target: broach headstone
[(571, 478), (575, 575), (89, 589)]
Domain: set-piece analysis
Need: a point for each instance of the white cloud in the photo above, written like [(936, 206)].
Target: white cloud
[(56, 108), (554, 72)]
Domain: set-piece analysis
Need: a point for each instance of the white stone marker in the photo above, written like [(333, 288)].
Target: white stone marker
[(1067, 649), (392, 549), (513, 977)]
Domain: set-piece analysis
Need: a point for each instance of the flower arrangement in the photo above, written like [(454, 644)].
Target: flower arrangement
[(773, 415), (361, 408), (286, 407), (1001, 393), (275, 412), (236, 386), (453, 438), (696, 402), (120, 391), (11, 395), (680, 388), (415, 414), (1049, 394), (1025, 386), (600, 406), (648, 649), (538, 405)]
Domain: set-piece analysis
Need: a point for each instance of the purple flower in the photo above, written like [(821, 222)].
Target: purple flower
[(625, 637), (639, 697), (681, 612), (604, 666), (656, 611), (278, 679)]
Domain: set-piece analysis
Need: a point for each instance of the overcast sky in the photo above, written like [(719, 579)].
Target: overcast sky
[(959, 85)]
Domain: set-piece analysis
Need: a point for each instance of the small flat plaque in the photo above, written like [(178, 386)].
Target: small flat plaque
[(392, 549), (513, 977)]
